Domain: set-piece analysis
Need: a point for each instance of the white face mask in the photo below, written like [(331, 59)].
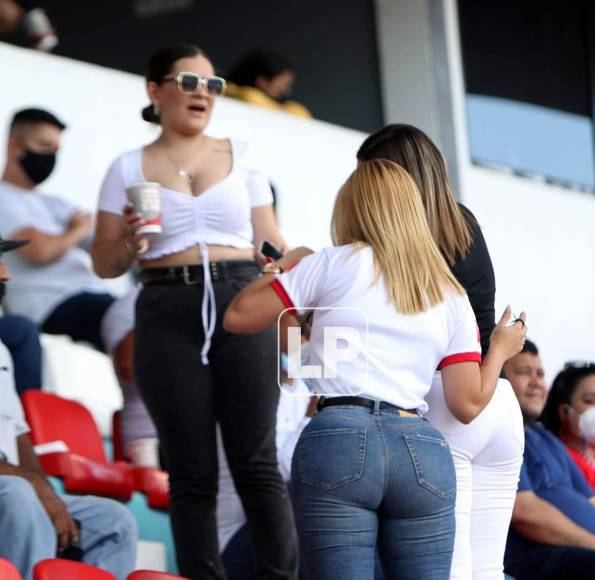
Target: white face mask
[(586, 424)]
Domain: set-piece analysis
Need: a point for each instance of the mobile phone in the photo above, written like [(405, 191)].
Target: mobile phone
[(267, 249), (73, 551)]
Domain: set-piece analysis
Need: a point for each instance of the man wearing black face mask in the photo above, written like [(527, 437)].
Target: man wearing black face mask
[(53, 282)]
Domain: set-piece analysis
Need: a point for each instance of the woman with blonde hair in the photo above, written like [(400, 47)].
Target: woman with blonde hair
[(488, 453), (370, 472)]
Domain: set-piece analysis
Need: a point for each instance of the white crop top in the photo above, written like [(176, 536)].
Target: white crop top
[(220, 215)]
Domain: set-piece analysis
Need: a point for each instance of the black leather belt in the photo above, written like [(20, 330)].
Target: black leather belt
[(361, 402), (194, 274)]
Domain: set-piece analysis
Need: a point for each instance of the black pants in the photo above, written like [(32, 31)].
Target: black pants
[(80, 317), (185, 398), (545, 562)]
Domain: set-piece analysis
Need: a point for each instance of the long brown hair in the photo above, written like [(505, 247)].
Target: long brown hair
[(414, 150), (380, 206)]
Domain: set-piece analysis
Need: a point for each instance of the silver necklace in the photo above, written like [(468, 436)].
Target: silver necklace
[(179, 171)]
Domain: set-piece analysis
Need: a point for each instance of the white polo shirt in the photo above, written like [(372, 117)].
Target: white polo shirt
[(398, 353), (12, 419)]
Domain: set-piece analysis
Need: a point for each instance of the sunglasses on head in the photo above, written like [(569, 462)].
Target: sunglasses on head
[(189, 83)]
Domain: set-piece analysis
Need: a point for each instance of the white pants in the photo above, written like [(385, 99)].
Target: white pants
[(487, 454)]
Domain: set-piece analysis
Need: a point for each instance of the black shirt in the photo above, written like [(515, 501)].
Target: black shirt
[(476, 274)]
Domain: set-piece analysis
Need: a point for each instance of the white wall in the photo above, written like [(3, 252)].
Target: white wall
[(541, 239), (307, 160)]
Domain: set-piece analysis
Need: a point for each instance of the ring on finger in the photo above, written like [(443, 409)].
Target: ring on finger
[(143, 246)]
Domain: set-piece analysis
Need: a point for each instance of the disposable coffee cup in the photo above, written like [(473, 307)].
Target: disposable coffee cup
[(146, 201)]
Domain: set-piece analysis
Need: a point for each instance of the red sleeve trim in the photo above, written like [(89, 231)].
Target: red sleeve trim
[(282, 293), (453, 359)]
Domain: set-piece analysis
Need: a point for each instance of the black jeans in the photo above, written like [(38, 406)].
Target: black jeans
[(545, 562), (80, 317), (238, 389)]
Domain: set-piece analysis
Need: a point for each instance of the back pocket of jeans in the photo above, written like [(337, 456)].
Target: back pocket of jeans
[(433, 464), (331, 458)]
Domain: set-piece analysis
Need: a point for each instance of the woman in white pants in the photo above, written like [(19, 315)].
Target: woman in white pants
[(488, 452)]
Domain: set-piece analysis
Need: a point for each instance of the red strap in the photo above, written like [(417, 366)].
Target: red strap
[(459, 358), (282, 293)]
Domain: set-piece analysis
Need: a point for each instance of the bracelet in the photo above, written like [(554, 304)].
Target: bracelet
[(272, 268), (142, 248)]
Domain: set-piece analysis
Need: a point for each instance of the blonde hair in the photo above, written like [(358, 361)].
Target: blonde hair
[(380, 206), (414, 150)]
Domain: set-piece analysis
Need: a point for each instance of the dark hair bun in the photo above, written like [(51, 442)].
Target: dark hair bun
[(148, 114)]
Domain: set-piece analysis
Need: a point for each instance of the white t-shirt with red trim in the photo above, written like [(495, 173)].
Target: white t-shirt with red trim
[(382, 354)]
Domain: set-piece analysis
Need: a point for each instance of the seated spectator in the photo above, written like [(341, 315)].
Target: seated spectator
[(20, 336), (265, 78), (569, 414), (35, 523), (139, 436), (552, 532), (53, 282)]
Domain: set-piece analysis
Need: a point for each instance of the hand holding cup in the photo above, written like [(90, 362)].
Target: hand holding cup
[(132, 221), (142, 215)]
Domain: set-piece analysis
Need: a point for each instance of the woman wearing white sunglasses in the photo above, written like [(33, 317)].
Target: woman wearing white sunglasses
[(215, 208)]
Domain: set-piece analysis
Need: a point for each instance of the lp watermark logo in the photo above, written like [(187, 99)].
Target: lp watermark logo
[(327, 353)]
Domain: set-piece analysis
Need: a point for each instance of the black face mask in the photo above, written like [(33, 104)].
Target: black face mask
[(37, 166), (2, 290)]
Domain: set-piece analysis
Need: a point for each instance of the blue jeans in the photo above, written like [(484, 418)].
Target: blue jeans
[(20, 335), (371, 480), (239, 563), (107, 536)]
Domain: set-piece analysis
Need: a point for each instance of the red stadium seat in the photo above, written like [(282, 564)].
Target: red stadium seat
[(117, 437), (84, 468), (150, 575), (154, 483), (8, 571), (67, 570)]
